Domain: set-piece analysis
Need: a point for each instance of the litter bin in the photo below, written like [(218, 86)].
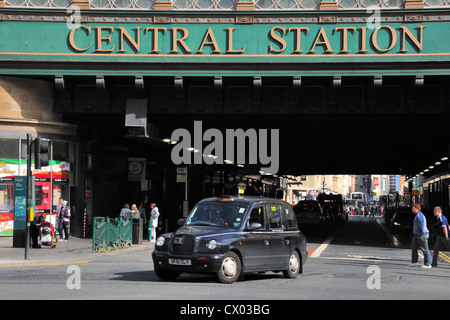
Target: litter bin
[(138, 230)]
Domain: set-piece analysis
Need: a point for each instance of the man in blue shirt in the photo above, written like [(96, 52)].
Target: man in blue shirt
[(442, 232), (420, 238)]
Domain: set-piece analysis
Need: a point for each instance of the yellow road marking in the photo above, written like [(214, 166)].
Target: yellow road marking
[(43, 264), (444, 256)]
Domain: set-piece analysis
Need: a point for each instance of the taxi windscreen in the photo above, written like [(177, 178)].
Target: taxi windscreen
[(218, 214)]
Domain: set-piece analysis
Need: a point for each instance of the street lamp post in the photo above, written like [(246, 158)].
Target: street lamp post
[(28, 200)]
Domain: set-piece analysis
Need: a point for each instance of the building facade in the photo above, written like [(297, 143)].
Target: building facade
[(107, 82)]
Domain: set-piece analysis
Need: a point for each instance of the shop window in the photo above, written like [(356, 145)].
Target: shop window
[(61, 171), (60, 151), (6, 206), (9, 148), (6, 195)]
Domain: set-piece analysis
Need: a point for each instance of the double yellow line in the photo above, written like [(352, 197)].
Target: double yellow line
[(444, 256)]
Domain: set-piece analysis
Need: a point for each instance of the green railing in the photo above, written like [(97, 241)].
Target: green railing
[(111, 233)]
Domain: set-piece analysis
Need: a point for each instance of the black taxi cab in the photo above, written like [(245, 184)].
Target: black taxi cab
[(229, 236)]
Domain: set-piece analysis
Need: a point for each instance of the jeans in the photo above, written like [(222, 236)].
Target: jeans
[(422, 243), (64, 227)]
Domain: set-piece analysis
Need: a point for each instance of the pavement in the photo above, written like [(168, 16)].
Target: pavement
[(76, 250)]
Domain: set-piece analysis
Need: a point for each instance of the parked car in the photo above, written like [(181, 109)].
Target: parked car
[(310, 212), (230, 236), (402, 221)]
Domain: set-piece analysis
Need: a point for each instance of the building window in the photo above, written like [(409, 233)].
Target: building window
[(204, 4), (436, 3), (122, 4), (9, 148), (39, 3), (370, 4), (287, 4)]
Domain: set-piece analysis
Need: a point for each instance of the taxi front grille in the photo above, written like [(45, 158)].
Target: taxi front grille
[(182, 244)]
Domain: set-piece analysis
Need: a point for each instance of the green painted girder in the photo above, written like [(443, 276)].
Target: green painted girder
[(167, 44)]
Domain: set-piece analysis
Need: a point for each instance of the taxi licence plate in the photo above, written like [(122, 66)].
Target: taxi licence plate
[(180, 262)]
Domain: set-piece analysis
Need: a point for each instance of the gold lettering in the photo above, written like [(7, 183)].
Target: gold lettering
[(209, 35), (230, 42), (344, 37), (131, 41), (417, 43), (278, 39), (155, 37), (323, 35), (298, 35), (363, 40), (393, 38), (176, 41), (100, 38), (72, 38)]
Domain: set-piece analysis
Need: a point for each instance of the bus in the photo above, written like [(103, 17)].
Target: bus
[(357, 199)]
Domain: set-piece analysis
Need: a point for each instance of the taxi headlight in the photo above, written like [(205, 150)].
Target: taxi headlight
[(211, 244), (160, 241)]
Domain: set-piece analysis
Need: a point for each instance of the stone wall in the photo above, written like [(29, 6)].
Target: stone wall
[(26, 106)]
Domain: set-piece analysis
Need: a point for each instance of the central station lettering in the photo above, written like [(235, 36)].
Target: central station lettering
[(281, 40)]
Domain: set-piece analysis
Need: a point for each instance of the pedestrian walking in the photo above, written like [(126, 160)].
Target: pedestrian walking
[(154, 214), (420, 238), (58, 213), (442, 231), (64, 221)]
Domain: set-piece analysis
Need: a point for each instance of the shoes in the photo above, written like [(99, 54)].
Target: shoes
[(426, 267), (415, 264)]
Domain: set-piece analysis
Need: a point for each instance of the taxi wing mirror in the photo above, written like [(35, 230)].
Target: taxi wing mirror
[(255, 226), (181, 222)]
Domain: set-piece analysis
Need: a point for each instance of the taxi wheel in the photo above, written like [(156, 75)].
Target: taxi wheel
[(230, 269), (166, 274), (293, 267)]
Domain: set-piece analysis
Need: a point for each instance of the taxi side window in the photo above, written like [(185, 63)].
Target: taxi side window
[(257, 216), (291, 222), (275, 216)]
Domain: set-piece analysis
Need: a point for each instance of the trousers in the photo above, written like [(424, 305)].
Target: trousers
[(422, 243)]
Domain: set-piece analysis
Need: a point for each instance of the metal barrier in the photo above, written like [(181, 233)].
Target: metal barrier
[(111, 233)]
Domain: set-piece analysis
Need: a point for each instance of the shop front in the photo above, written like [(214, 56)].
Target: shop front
[(50, 183)]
